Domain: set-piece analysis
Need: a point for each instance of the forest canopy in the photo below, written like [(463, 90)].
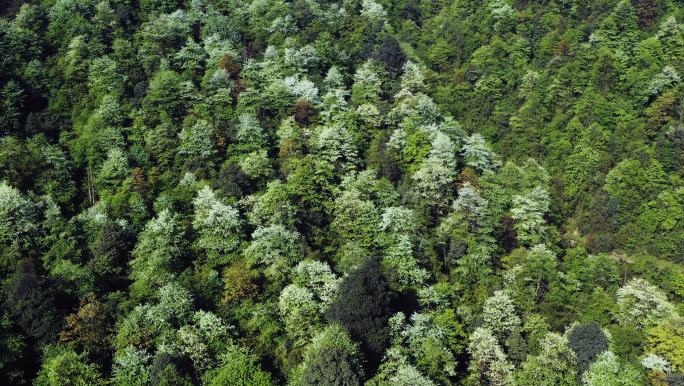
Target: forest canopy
[(314, 192)]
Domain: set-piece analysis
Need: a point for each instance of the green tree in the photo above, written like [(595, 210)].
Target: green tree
[(241, 370), (68, 368)]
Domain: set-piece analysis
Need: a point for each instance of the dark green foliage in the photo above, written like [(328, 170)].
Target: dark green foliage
[(168, 370), (34, 303), (111, 252), (390, 53), (361, 306), (331, 367), (12, 351), (587, 341), (232, 180), (171, 377), (517, 347), (627, 341), (441, 141)]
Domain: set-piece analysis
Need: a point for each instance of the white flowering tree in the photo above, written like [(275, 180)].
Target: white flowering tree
[(257, 164), (397, 232), (489, 364), (367, 85), (17, 215), (131, 367), (335, 145), (198, 141), (299, 312), (609, 371), (478, 155), (642, 305), (499, 315), (204, 340), (276, 247), (528, 211), (160, 246), (218, 225), (434, 180)]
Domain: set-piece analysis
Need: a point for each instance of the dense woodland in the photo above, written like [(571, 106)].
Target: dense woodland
[(312, 192)]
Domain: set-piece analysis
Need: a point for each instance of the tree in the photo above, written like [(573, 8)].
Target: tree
[(335, 145), (396, 370), (67, 368), (664, 81), (111, 252), (190, 57), (32, 302), (367, 85), (539, 267), (164, 92), (299, 313), (241, 370), (168, 370), (399, 262), (331, 359), (249, 131), (431, 340), (198, 141), (131, 367), (355, 219), (555, 365), (318, 278), (114, 169), (477, 154), (608, 371), (489, 365), (361, 306), (654, 362), (238, 283), (587, 341), (642, 305), (304, 113), (471, 208), (445, 149), (204, 340), (11, 102), (158, 319), (390, 52), (499, 315), (17, 212), (329, 366), (276, 247), (218, 225), (434, 179), (157, 254), (103, 77), (529, 210), (666, 340), (335, 103), (257, 165), (88, 328), (12, 350)]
